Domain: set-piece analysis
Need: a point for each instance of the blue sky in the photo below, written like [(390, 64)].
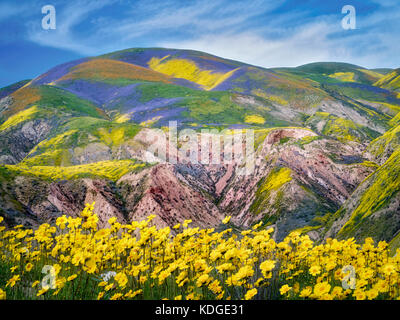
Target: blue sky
[(269, 33)]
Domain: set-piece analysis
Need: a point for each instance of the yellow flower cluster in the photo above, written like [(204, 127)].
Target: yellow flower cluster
[(74, 259)]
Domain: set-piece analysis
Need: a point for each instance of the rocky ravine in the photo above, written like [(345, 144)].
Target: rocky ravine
[(299, 179)]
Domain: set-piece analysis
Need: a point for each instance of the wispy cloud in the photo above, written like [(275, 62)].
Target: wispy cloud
[(257, 32), (144, 23), (285, 43), (12, 10), (67, 33), (305, 45)]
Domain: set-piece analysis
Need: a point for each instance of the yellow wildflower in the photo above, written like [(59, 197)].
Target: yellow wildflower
[(3, 294), (250, 294), (11, 282), (284, 289), (306, 292), (226, 219), (28, 266), (322, 288), (204, 279), (267, 266), (389, 269), (121, 279), (315, 270)]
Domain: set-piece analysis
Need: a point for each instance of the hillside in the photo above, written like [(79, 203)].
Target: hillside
[(327, 143), (390, 81)]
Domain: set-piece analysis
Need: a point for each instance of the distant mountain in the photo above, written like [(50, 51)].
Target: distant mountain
[(383, 71), (327, 139)]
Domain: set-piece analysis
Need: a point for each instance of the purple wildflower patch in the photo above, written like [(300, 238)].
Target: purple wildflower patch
[(100, 93), (57, 72)]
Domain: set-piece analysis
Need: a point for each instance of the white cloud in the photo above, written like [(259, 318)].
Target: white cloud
[(228, 29), (198, 17), (201, 17), (323, 39), (307, 44), (63, 36)]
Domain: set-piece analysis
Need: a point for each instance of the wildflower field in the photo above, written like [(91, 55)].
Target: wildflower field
[(76, 260)]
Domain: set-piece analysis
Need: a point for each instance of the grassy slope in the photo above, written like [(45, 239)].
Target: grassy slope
[(78, 133), (386, 144), (380, 189), (112, 170), (390, 81), (343, 129)]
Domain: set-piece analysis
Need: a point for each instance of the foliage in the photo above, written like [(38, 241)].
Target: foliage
[(19, 117), (386, 143), (150, 91), (106, 69), (390, 81), (63, 100), (187, 69), (343, 129), (382, 186), (268, 186), (140, 261), (79, 133), (111, 170), (254, 118), (343, 76)]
